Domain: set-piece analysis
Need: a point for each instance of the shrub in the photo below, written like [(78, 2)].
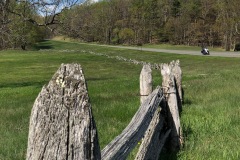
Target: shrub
[(126, 35)]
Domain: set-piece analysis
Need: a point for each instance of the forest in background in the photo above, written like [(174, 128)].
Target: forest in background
[(211, 23)]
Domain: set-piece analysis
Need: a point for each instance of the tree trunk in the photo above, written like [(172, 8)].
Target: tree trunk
[(61, 123), (227, 41)]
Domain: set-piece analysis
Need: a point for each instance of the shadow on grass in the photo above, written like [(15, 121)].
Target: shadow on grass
[(23, 84), (167, 155), (187, 102), (167, 152), (97, 79), (42, 45)]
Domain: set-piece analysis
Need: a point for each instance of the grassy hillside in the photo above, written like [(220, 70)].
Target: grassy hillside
[(210, 116)]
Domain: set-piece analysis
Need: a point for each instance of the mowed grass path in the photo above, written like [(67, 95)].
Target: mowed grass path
[(211, 112)]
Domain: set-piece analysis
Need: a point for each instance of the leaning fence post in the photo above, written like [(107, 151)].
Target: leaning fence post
[(169, 90), (61, 123), (145, 82)]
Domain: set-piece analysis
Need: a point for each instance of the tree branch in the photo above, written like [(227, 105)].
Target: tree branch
[(51, 10)]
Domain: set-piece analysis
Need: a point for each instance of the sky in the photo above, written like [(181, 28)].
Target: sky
[(49, 9)]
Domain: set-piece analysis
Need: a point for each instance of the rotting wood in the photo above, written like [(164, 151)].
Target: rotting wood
[(145, 82), (169, 90), (61, 123), (119, 148), (155, 136)]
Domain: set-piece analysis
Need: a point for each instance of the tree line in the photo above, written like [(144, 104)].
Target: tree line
[(189, 22)]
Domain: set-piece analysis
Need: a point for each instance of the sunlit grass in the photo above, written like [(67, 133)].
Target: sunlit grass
[(180, 47), (210, 116)]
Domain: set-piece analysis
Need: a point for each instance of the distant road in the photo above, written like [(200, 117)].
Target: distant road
[(188, 52), (197, 53)]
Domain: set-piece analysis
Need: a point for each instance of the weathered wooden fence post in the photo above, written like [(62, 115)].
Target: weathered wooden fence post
[(145, 82), (169, 90), (61, 123), (177, 73)]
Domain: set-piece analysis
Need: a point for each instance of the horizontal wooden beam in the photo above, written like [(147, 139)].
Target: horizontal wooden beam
[(121, 146)]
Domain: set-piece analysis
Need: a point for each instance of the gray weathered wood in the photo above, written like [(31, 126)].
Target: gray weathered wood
[(61, 124), (154, 138), (169, 90), (119, 148), (145, 82), (177, 73)]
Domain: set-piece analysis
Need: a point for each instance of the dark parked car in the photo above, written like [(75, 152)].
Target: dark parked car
[(237, 47)]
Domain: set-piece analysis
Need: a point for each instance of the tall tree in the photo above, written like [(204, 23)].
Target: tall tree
[(22, 32), (228, 20)]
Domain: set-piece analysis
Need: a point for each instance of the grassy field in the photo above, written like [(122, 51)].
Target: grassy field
[(181, 47), (211, 111), (155, 46)]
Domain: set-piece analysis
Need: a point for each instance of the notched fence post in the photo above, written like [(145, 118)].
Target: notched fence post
[(61, 123), (170, 92)]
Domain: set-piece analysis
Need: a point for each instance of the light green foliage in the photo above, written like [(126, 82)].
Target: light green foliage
[(210, 116), (186, 22), (17, 30), (126, 35), (23, 32)]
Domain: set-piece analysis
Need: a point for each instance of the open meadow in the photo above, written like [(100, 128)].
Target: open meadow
[(211, 111)]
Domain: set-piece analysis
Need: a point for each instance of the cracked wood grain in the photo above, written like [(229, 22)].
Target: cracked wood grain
[(61, 123)]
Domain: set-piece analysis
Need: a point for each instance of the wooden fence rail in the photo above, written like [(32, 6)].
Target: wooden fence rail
[(62, 125), (119, 148)]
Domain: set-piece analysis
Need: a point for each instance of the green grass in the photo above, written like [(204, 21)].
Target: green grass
[(210, 116), (180, 47)]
